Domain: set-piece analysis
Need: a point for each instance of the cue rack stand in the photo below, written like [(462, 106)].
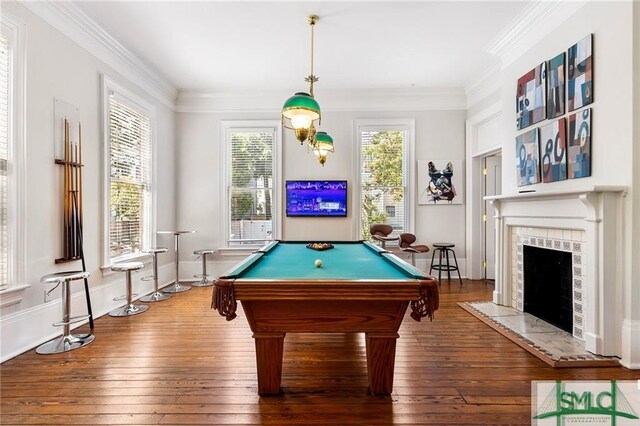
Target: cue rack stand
[(72, 239), (71, 196)]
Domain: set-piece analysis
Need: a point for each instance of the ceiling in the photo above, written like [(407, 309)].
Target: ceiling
[(230, 46)]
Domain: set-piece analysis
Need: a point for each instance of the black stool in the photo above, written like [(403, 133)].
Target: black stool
[(443, 249)]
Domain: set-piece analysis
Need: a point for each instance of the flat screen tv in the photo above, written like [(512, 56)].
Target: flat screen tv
[(316, 198)]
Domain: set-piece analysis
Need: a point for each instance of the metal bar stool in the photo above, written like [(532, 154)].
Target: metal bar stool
[(444, 249), (157, 295), (128, 309), (204, 282), (68, 341)]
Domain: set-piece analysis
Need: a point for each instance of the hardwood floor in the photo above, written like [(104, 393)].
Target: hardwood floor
[(182, 363)]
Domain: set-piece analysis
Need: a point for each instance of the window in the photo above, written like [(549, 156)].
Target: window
[(384, 164), (12, 152), (129, 175), (253, 192)]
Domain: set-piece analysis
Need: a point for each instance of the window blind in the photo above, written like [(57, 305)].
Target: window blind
[(250, 195), (130, 195), (382, 179), (4, 162)]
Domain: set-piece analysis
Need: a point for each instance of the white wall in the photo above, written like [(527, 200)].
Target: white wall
[(439, 134), (58, 67)]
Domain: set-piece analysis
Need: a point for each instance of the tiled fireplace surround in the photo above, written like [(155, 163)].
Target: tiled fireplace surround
[(586, 223), (565, 240)]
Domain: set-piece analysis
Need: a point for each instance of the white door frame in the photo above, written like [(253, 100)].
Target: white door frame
[(475, 203)]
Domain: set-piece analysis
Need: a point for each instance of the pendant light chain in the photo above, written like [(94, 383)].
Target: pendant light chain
[(312, 78)]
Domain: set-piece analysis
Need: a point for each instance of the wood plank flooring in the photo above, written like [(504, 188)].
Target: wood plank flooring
[(181, 363)]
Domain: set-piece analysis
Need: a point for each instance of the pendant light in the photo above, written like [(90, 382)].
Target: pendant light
[(301, 112)]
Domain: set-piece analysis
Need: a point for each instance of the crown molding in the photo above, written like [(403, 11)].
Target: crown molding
[(528, 28), (331, 100), (70, 20), (483, 84)]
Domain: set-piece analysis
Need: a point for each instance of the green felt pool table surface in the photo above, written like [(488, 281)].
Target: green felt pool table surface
[(345, 261)]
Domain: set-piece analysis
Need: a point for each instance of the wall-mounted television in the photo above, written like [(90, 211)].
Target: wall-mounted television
[(316, 198)]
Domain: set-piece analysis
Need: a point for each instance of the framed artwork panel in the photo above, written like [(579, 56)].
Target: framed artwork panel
[(580, 73), (553, 151), (531, 97), (527, 158), (579, 149), (555, 86), (440, 182)]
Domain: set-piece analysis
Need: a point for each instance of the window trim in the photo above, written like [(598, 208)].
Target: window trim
[(108, 86), (15, 30), (407, 125), (226, 127)]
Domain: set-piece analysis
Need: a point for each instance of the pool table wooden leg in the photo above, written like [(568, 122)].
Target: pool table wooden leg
[(381, 356), (269, 349)]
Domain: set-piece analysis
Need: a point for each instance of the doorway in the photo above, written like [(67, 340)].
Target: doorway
[(492, 171)]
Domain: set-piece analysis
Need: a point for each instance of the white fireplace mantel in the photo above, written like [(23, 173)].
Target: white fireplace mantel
[(597, 210)]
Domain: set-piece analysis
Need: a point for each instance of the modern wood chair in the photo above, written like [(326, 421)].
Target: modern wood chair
[(406, 245), (381, 232)]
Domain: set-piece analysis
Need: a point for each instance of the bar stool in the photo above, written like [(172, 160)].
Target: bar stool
[(157, 295), (406, 245), (204, 282), (444, 249), (66, 342), (381, 232), (128, 309)]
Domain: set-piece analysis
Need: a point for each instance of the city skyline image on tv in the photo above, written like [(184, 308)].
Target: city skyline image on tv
[(316, 198)]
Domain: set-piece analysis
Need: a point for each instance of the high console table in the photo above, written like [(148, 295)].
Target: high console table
[(176, 287)]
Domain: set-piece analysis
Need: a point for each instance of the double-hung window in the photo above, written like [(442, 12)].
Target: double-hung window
[(384, 149), (129, 135), (252, 182), (12, 152)]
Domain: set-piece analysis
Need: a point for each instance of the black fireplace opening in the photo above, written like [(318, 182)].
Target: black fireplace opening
[(548, 286)]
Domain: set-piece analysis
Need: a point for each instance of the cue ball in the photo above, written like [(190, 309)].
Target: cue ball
[(318, 263)]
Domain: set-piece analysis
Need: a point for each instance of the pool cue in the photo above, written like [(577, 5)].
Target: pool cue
[(80, 226), (84, 265), (74, 205), (80, 165), (66, 193)]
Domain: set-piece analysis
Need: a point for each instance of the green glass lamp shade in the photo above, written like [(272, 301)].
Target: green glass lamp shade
[(301, 109), (323, 145), (324, 142)]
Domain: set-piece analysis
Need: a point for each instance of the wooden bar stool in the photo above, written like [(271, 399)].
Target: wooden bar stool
[(204, 282), (443, 249), (66, 342), (128, 309), (157, 295)]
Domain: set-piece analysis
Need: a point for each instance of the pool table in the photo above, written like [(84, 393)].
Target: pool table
[(359, 288)]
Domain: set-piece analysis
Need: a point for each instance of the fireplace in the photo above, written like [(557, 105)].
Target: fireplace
[(548, 285), (586, 224)]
